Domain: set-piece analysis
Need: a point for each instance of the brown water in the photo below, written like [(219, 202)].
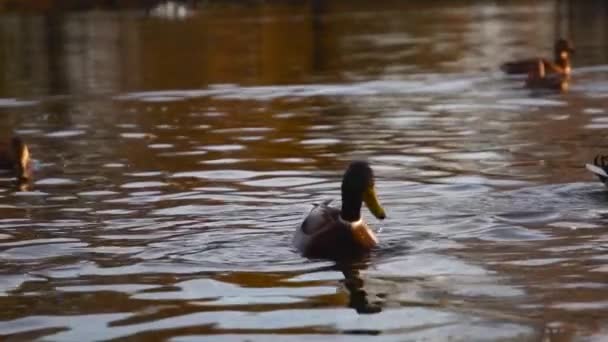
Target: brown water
[(178, 148)]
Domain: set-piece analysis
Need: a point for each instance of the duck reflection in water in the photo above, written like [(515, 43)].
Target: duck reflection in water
[(358, 298), (15, 159), (341, 234)]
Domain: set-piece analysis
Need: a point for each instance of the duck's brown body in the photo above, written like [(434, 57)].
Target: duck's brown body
[(562, 52), (324, 234), (15, 158), (527, 65)]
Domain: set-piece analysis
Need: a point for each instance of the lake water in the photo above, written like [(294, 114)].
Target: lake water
[(178, 146)]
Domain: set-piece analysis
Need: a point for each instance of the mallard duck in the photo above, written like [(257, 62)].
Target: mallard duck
[(599, 168), (15, 157), (562, 51), (329, 232), (539, 79)]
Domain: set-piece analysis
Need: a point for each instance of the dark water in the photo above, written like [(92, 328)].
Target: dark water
[(178, 147)]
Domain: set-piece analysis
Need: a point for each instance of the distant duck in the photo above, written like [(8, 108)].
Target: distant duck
[(599, 168), (539, 79), (333, 233), (562, 51), (15, 157)]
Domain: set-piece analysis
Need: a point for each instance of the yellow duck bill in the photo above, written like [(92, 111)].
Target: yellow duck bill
[(371, 201)]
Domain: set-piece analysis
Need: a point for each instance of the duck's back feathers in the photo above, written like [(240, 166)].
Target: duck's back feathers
[(596, 170), (525, 66), (599, 167), (320, 216), (321, 230), (520, 67)]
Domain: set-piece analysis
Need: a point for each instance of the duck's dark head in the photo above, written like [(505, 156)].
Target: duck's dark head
[(563, 50), (357, 187), (22, 158)]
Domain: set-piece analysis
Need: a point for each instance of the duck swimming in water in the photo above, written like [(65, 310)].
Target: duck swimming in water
[(329, 232), (562, 51), (599, 168), (15, 157)]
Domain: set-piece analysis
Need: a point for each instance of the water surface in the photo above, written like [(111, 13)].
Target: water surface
[(178, 147)]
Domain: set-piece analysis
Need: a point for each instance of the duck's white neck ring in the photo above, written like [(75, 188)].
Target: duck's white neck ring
[(354, 223)]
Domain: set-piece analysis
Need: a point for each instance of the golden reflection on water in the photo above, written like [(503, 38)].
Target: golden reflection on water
[(179, 147)]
